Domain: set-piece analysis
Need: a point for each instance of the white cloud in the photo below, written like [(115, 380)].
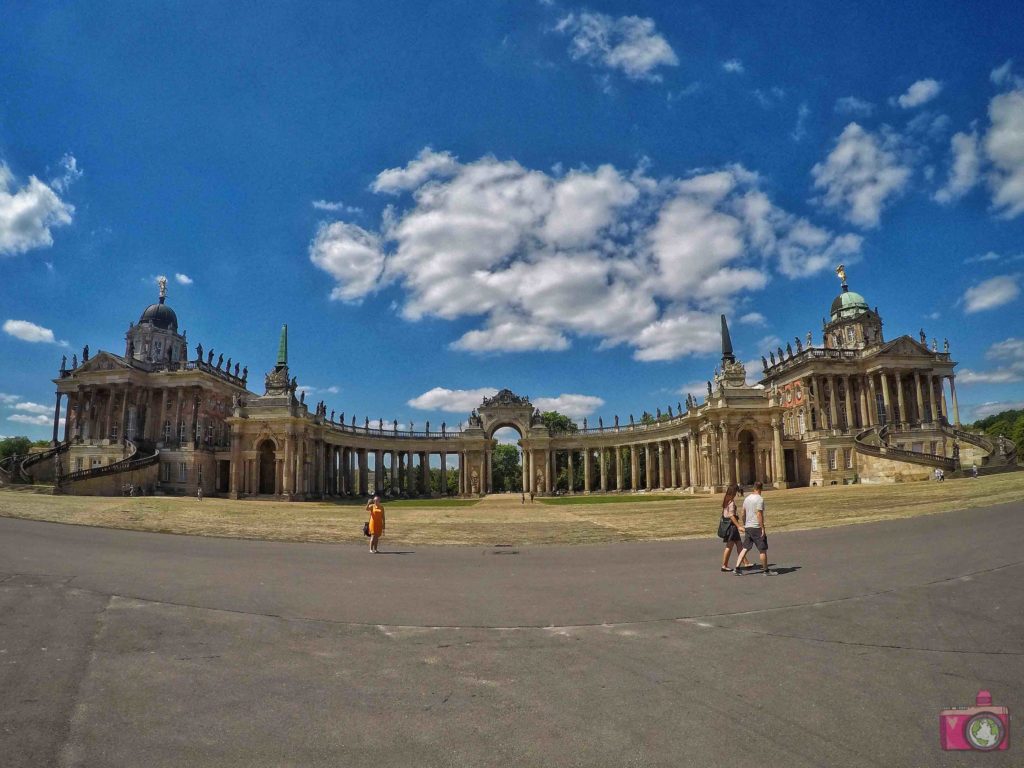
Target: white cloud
[(33, 408), (854, 107), (183, 279), (991, 293), (982, 258), (800, 129), (72, 173), (539, 258), (695, 388), (427, 165), (627, 43), (6, 399), (919, 93), (351, 255), (26, 331), (40, 420), (28, 213), (1009, 352), (995, 376), (991, 408), (860, 175), (1003, 75), (451, 400), (752, 318), (964, 168), (735, 66), (335, 207), (1004, 146), (571, 405), (506, 436)]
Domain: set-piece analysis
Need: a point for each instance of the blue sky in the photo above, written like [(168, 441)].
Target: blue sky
[(557, 198)]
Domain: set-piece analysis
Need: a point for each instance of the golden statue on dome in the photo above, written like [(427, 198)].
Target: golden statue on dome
[(841, 273)]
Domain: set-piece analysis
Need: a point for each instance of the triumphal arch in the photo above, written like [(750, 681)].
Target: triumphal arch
[(845, 406)]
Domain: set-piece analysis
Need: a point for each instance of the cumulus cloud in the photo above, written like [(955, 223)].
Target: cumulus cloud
[(39, 421), (630, 44), (351, 255), (28, 213), (427, 165), (853, 107), (752, 318), (182, 279), (6, 399), (919, 93), (1004, 146), (991, 293), (540, 258), (964, 169), (572, 405), (335, 207), (26, 331), (465, 400), (33, 408), (991, 408), (983, 258), (995, 376), (860, 175), (734, 66), (1003, 75)]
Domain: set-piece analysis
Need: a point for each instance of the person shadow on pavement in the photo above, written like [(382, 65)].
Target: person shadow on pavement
[(783, 571)]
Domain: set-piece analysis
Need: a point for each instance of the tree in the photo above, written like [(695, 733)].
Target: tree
[(13, 446), (1009, 424), (558, 423), (506, 468)]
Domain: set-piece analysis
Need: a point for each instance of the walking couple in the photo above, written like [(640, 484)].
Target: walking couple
[(752, 530)]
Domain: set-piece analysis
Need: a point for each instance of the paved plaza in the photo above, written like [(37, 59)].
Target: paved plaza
[(134, 649)]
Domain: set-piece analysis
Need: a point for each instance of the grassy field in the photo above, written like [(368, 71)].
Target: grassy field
[(505, 520)]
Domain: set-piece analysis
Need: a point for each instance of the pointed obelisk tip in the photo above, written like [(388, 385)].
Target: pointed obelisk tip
[(727, 354), (282, 347)]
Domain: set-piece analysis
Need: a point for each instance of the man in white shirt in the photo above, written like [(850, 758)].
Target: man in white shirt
[(755, 534)]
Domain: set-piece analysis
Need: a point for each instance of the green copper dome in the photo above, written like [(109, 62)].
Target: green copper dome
[(848, 304)]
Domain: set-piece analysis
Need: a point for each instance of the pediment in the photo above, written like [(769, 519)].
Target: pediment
[(904, 346), (103, 361)]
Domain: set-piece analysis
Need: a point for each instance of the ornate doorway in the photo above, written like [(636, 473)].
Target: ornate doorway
[(268, 468)]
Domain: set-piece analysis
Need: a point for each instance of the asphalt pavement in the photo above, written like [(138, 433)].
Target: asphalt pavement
[(121, 648)]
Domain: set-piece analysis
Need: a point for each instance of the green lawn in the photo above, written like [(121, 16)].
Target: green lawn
[(580, 499)]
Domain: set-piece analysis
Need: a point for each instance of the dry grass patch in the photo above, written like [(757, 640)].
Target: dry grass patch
[(504, 520)]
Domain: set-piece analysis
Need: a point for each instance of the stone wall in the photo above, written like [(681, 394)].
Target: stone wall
[(877, 469), (112, 485)]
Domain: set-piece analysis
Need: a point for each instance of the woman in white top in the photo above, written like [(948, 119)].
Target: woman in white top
[(732, 537)]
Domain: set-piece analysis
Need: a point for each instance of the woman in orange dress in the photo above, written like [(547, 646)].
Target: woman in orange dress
[(376, 522)]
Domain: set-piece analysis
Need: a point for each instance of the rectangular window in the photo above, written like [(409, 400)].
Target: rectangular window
[(95, 461), (165, 472), (113, 430), (182, 434), (814, 461), (832, 458), (167, 431), (933, 446), (803, 423), (182, 472), (199, 474), (78, 464), (849, 458)]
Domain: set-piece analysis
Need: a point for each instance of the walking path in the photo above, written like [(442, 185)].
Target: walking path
[(123, 649)]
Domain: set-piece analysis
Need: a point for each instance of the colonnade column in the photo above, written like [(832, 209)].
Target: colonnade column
[(902, 415), (833, 404), (648, 480), (885, 396), (849, 401), (586, 470), (602, 469), (691, 455), (942, 397), (862, 390), (931, 397), (780, 464), (444, 474), (674, 447), (726, 455), (634, 468), (872, 400), (952, 395), (620, 483)]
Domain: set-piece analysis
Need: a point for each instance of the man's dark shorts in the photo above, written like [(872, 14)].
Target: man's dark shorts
[(757, 541)]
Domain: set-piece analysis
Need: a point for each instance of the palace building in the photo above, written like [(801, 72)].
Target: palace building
[(849, 407)]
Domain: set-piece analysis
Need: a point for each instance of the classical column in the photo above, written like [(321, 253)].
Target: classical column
[(833, 402), (918, 396), (394, 472), (942, 397), (286, 478), (301, 480), (931, 397), (885, 396), (602, 469), (634, 467), (691, 456), (525, 485), (548, 471), (952, 394), (674, 447), (363, 455), (847, 385), (780, 464), (56, 419), (195, 419), (862, 392), (569, 471), (660, 474), (648, 475), (586, 470), (899, 397), (724, 456), (123, 431), (235, 472), (425, 471), (620, 482), (531, 485), (444, 473), (378, 471)]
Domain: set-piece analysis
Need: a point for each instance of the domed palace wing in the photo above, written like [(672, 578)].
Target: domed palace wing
[(845, 406)]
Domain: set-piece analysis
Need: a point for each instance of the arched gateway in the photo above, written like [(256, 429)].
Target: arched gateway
[(854, 408)]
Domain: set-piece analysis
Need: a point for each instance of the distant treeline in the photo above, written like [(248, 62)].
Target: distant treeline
[(1008, 424)]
